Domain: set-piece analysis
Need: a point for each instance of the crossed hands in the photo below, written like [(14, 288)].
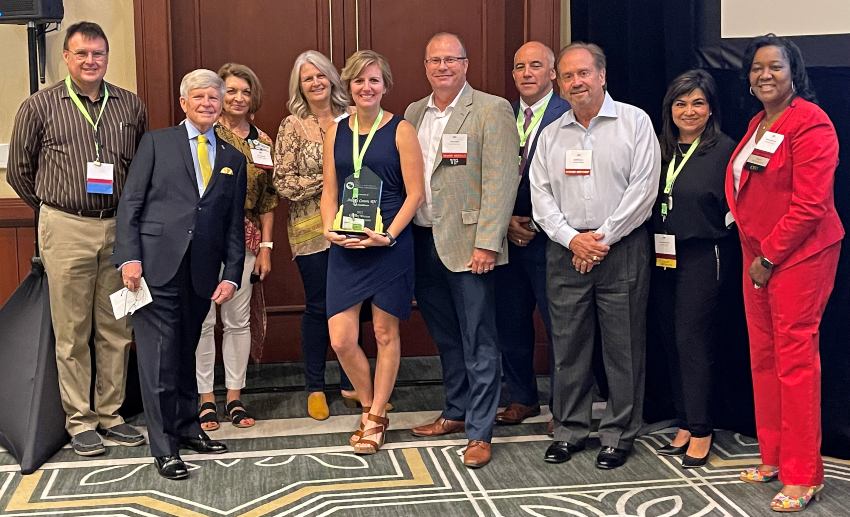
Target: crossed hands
[(588, 251)]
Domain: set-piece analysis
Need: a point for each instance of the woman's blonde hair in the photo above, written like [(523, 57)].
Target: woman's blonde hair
[(360, 60)]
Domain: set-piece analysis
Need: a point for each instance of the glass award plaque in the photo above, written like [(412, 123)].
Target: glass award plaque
[(360, 207)]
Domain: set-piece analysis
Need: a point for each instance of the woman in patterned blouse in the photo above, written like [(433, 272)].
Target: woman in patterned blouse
[(242, 98), (316, 100)]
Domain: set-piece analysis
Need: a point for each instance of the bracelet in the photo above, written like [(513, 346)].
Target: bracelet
[(391, 238), (267, 244)]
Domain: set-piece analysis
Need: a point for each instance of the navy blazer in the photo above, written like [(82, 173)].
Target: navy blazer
[(161, 212), (556, 107)]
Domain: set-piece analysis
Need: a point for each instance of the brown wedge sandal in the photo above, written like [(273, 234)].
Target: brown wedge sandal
[(358, 433), (366, 446)]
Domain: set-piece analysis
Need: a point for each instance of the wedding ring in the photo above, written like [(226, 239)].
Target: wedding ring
[(594, 258), (519, 241)]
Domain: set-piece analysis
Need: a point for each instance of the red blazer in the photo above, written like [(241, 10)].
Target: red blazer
[(786, 212)]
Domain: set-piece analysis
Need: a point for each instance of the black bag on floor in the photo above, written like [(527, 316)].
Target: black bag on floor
[(32, 421)]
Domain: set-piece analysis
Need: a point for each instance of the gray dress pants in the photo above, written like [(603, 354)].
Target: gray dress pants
[(614, 294)]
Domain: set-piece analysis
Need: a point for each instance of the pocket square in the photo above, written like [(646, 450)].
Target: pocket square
[(227, 170)]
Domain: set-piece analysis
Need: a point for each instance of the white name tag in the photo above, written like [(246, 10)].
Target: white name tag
[(577, 162), (99, 178), (454, 149), (665, 250), (769, 142), (261, 154)]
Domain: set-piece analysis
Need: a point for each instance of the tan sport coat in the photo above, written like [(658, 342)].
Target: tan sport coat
[(472, 203)]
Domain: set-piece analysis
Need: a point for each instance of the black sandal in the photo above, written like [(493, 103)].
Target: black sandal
[(237, 413), (208, 418)]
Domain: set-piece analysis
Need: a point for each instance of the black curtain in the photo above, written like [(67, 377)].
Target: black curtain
[(649, 42)]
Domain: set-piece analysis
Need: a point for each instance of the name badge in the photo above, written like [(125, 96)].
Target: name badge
[(756, 162), (99, 178), (763, 152), (454, 149), (578, 162), (665, 250), (769, 142), (261, 154)]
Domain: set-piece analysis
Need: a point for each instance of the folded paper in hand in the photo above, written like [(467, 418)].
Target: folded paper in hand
[(126, 302)]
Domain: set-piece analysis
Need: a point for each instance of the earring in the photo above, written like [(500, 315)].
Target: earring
[(751, 91), (709, 113), (793, 88)]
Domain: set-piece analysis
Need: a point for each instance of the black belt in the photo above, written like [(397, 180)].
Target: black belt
[(106, 213)]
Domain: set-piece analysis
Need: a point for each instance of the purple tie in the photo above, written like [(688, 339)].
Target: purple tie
[(528, 116)]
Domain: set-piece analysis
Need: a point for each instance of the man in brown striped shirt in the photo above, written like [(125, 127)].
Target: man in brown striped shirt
[(71, 147)]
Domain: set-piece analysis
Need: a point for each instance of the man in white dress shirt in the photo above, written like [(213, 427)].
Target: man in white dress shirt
[(594, 178)]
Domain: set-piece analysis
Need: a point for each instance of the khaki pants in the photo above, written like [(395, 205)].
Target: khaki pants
[(76, 252)]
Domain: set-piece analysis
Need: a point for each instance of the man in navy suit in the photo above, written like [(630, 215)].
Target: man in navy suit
[(179, 219), (521, 284)]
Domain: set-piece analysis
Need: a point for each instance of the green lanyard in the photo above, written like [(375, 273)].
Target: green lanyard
[(673, 173), (85, 112), (356, 153), (520, 121)]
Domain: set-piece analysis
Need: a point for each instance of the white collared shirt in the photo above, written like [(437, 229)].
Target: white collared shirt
[(618, 194), (537, 105), (430, 133)]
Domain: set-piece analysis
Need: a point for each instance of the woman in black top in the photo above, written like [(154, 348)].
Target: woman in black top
[(692, 244)]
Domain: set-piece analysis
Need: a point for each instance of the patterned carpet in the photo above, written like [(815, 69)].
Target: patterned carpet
[(297, 466)]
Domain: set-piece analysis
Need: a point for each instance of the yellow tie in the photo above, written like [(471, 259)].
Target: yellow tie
[(204, 160)]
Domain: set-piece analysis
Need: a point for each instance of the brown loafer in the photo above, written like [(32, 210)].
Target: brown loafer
[(515, 413), (477, 454), (438, 427)]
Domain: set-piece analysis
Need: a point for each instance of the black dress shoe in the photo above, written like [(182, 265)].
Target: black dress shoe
[(611, 458), (671, 450), (560, 452), (203, 444), (689, 462), (171, 467)]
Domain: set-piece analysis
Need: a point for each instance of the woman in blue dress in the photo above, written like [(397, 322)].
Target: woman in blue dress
[(374, 268)]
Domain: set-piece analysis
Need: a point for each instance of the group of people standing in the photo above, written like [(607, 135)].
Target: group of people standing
[(489, 210)]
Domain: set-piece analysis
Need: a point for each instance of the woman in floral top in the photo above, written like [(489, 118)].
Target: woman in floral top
[(316, 100), (242, 98)]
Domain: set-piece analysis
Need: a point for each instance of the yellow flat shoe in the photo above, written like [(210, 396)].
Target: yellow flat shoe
[(317, 406)]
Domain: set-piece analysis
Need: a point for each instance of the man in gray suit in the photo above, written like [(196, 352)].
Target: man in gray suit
[(469, 142)]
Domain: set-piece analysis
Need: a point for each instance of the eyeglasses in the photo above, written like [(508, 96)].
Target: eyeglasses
[(97, 55), (449, 61)]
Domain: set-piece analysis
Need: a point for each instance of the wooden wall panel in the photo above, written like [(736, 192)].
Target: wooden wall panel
[(154, 70), (9, 259), (174, 37), (25, 237), (17, 238)]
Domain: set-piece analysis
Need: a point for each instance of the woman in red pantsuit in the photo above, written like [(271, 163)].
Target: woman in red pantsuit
[(779, 185)]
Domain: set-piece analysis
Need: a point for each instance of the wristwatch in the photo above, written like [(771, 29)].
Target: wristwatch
[(768, 265), (267, 244), (391, 238)]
